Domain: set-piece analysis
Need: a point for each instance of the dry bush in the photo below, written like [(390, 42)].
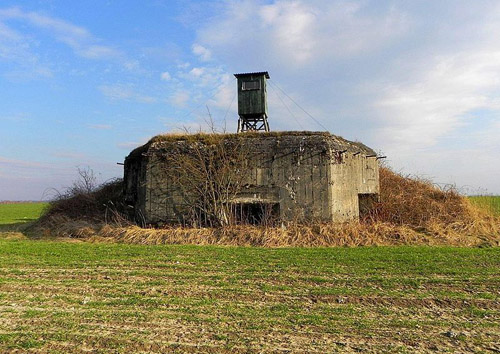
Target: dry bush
[(415, 202), (85, 201), (419, 204), (97, 205), (93, 205)]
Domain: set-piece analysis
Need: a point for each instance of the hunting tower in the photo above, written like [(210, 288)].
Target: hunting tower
[(252, 101)]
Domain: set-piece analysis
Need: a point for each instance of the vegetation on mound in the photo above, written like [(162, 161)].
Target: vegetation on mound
[(411, 211), (166, 140), (85, 202), (421, 206), (215, 138), (97, 205), (415, 202), (210, 137)]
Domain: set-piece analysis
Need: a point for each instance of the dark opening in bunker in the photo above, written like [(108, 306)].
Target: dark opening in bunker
[(256, 213), (366, 203)]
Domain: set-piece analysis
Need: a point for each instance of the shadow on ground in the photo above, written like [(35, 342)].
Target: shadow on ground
[(20, 225)]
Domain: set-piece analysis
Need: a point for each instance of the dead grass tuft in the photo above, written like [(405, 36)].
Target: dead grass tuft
[(318, 235), (58, 225)]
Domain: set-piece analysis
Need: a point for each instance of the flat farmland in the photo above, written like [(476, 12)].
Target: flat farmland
[(20, 212), (490, 203), (76, 296)]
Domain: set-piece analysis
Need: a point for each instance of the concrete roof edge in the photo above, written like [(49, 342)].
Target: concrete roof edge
[(335, 142)]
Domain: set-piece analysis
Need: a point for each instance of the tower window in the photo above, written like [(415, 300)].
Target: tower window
[(250, 85)]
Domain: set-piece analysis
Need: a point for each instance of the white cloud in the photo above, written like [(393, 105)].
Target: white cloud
[(165, 76), (78, 38), (197, 72), (438, 114), (125, 92), (22, 48), (43, 21), (203, 53), (99, 52), (7, 33), (298, 33), (291, 24), (226, 94), (206, 76), (180, 98), (18, 49), (183, 65), (212, 84), (438, 99)]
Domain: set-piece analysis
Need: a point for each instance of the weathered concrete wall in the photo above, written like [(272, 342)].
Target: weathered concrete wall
[(291, 171), (164, 202), (312, 176), (351, 176), (134, 181)]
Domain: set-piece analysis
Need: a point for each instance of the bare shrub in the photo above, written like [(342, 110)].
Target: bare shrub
[(419, 204), (414, 201), (86, 183), (87, 200), (206, 171)]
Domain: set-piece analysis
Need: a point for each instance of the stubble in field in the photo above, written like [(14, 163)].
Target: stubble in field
[(62, 296)]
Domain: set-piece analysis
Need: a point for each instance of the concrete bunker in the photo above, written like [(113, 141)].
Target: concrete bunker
[(285, 176)]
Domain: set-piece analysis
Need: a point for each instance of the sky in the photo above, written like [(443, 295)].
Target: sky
[(82, 83)]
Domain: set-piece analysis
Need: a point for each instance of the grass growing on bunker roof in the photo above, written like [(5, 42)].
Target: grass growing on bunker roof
[(336, 142), (216, 137)]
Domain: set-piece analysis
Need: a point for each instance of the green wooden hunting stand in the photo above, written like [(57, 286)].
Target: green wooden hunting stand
[(252, 101)]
